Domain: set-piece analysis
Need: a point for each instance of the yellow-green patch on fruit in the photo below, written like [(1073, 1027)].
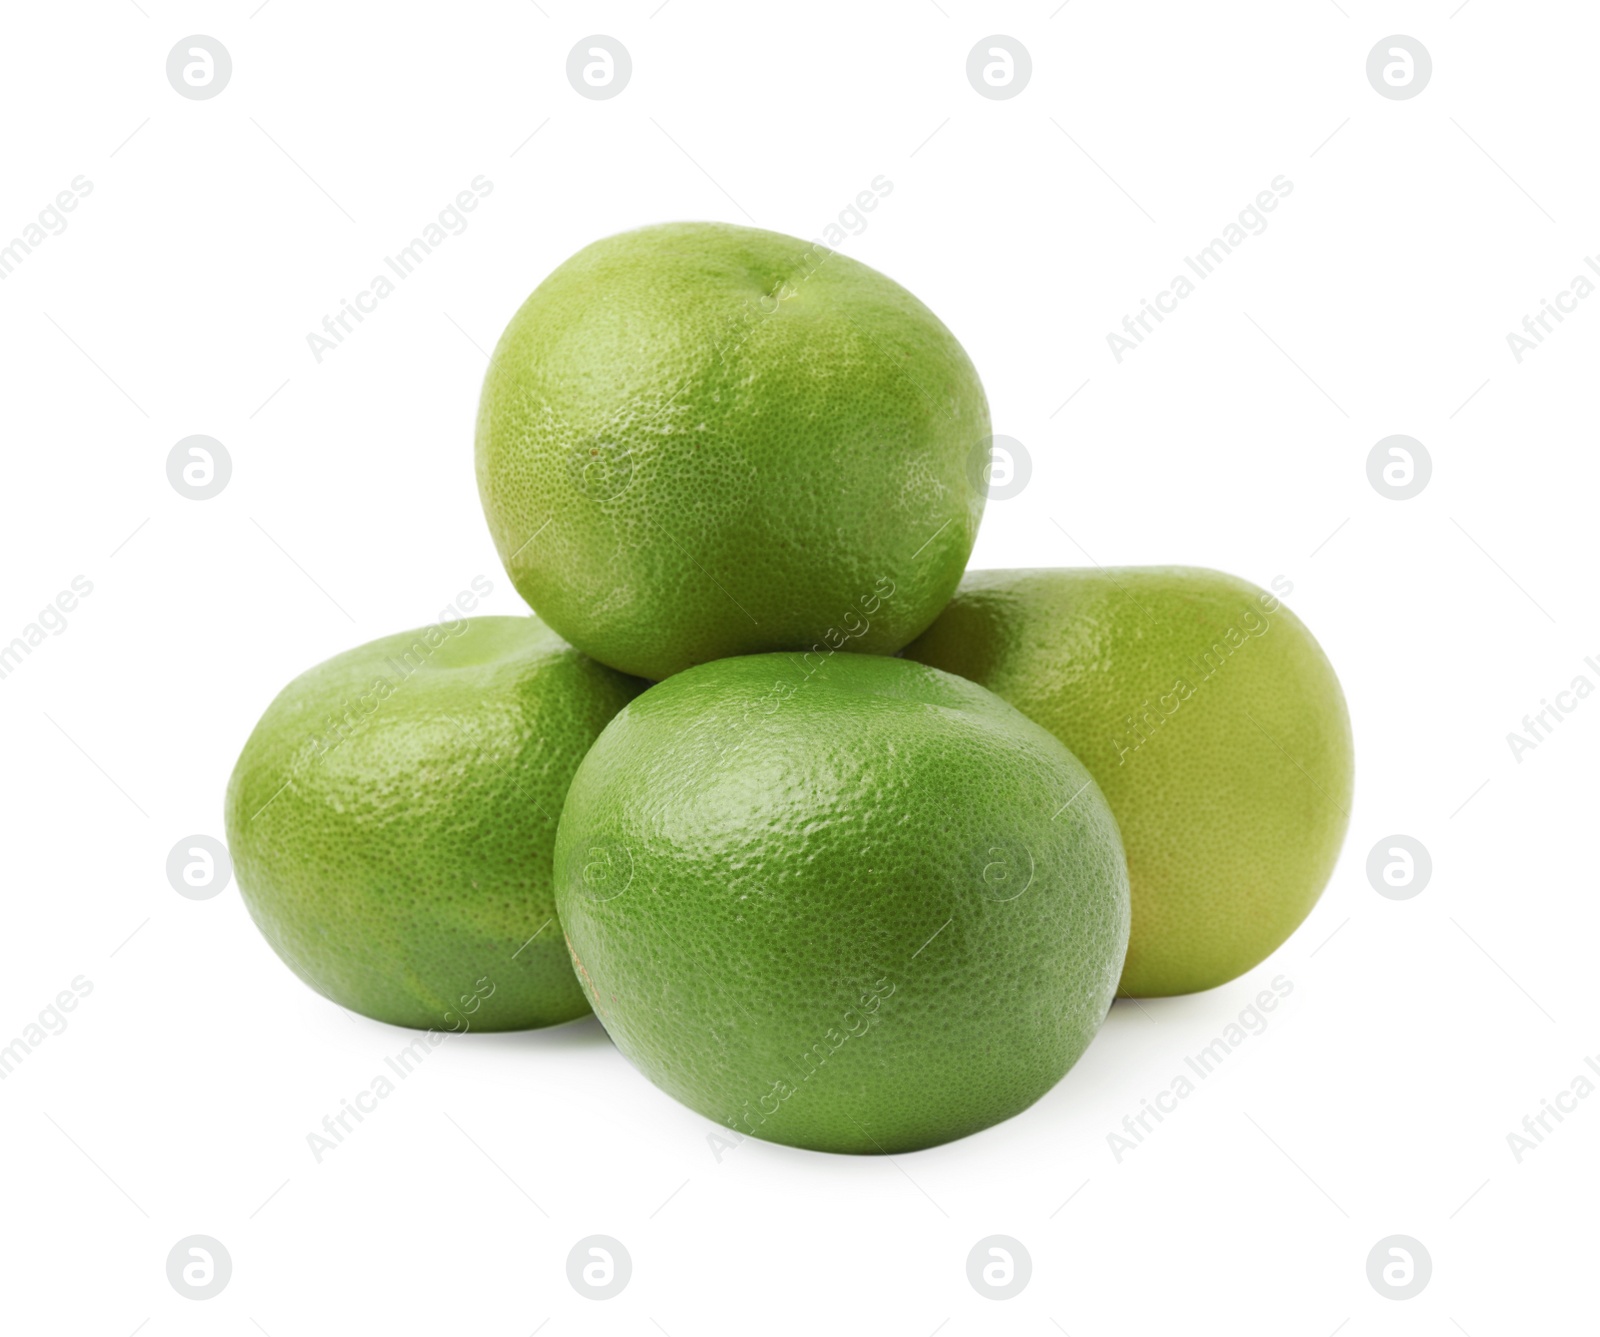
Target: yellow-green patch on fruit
[(1215, 726)]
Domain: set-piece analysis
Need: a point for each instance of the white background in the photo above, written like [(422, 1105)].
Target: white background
[(1419, 1033)]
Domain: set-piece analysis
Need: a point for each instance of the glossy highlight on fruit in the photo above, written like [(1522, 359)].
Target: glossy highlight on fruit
[(392, 816), (1215, 726), (698, 440), (847, 903)]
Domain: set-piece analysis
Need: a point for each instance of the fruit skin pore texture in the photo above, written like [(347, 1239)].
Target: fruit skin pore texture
[(856, 905), (698, 440), (392, 816), (1215, 726)]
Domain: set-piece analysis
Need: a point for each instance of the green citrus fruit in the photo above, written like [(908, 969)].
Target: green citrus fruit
[(698, 440), (1214, 724), (852, 904), (392, 816)]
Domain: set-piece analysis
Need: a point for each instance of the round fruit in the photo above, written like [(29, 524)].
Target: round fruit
[(392, 816), (1214, 724), (852, 904), (698, 440)]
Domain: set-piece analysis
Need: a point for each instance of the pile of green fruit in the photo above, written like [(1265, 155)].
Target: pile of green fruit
[(844, 850)]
